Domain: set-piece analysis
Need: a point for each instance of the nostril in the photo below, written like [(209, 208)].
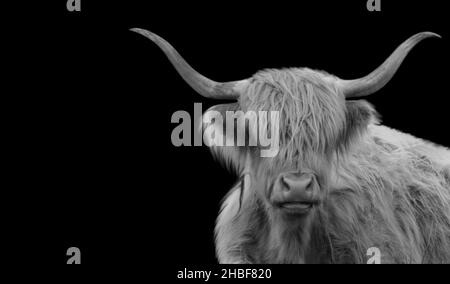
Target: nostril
[(285, 183), (309, 184)]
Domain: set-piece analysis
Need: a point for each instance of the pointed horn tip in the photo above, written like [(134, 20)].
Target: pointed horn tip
[(428, 34), (137, 30), (143, 32)]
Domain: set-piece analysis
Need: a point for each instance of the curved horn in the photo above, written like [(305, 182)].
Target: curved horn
[(201, 84), (378, 78)]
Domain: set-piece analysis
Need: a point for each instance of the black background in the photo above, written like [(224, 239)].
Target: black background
[(95, 165)]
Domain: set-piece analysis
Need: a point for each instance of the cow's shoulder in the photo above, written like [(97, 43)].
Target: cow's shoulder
[(230, 228), (409, 145)]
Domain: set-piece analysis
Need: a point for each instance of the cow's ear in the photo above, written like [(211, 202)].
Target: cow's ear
[(224, 148), (359, 115)]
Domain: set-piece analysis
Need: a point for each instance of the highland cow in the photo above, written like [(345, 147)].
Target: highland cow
[(341, 182)]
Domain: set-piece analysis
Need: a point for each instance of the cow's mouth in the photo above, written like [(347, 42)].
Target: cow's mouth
[(296, 207)]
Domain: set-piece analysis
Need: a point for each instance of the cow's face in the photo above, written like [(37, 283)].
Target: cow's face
[(317, 124), (311, 123)]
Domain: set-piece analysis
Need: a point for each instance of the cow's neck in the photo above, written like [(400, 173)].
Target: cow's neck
[(289, 242)]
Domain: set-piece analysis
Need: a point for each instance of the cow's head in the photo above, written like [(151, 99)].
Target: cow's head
[(317, 126)]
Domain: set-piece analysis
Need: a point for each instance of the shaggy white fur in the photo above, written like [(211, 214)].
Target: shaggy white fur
[(381, 187)]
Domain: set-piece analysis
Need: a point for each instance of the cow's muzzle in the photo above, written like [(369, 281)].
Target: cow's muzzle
[(295, 192)]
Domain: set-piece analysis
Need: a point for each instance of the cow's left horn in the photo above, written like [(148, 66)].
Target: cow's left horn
[(378, 78), (201, 84)]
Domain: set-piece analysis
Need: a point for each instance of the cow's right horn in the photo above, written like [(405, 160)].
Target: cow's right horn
[(201, 84), (377, 79)]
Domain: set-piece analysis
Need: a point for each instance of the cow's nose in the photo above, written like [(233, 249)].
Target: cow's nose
[(296, 185)]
